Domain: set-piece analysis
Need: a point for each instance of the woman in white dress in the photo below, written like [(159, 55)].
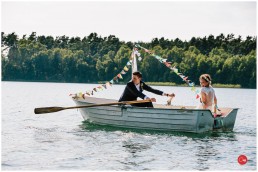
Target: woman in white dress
[(208, 98)]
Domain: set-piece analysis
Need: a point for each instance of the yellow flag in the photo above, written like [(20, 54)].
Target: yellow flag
[(126, 69), (193, 88)]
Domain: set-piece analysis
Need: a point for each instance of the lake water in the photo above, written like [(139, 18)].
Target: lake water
[(61, 141)]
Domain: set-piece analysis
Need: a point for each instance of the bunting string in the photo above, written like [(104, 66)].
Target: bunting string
[(126, 68), (114, 80), (174, 69)]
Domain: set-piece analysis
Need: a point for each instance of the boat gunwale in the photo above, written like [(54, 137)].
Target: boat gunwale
[(154, 107)]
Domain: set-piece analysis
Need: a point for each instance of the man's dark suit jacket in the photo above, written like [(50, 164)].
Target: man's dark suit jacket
[(131, 93)]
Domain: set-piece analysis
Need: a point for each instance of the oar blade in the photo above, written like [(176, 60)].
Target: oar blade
[(47, 110)]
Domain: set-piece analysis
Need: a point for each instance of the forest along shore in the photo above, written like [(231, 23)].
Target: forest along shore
[(229, 59)]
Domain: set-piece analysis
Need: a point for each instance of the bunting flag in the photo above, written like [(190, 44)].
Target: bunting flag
[(193, 88), (112, 81), (108, 84), (126, 69), (168, 64), (138, 54), (174, 69), (115, 78), (119, 76), (185, 78), (100, 87), (123, 72)]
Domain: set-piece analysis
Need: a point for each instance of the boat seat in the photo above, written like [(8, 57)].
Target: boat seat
[(225, 111)]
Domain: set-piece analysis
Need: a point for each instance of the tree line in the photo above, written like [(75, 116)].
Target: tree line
[(228, 59)]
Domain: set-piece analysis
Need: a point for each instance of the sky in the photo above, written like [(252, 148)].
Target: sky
[(130, 21)]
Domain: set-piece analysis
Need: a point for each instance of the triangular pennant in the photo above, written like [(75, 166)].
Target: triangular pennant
[(164, 60), (182, 76), (185, 78), (129, 63), (193, 88), (197, 96), (104, 85), (123, 72), (119, 76), (138, 54), (126, 69), (191, 84), (167, 64), (100, 87)]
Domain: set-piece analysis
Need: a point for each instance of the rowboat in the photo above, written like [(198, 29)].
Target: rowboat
[(161, 117)]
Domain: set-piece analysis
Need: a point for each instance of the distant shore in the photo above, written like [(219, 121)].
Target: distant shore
[(184, 85), (149, 83)]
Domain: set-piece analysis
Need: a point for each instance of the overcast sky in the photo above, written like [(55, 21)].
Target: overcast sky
[(130, 21)]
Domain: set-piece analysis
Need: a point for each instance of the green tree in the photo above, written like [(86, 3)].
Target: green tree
[(106, 67)]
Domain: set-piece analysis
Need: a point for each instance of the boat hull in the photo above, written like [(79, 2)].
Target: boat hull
[(183, 120)]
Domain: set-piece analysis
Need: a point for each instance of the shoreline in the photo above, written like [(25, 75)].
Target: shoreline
[(215, 85)]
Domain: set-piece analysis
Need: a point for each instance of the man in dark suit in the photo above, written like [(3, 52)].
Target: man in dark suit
[(134, 89)]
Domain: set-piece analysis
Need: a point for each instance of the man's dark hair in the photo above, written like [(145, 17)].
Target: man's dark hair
[(137, 73)]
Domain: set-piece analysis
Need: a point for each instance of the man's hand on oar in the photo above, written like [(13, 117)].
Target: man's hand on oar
[(56, 109)]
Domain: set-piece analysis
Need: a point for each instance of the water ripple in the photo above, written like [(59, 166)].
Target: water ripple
[(61, 141)]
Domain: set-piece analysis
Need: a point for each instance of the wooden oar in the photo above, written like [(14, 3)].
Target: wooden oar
[(56, 109)]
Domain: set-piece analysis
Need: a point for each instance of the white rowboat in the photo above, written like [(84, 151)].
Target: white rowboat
[(161, 117)]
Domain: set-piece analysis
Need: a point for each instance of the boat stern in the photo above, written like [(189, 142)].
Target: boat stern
[(226, 122)]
